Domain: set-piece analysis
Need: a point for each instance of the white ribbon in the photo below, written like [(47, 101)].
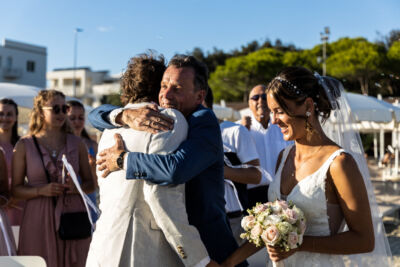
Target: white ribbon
[(85, 198), (6, 237)]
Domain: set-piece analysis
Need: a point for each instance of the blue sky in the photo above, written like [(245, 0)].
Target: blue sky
[(116, 30)]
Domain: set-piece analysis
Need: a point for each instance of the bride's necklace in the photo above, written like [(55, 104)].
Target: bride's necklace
[(303, 162)]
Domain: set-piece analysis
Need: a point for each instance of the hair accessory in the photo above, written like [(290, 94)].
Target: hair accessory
[(308, 114), (293, 88)]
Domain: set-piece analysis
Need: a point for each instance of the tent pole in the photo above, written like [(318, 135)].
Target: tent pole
[(375, 146)]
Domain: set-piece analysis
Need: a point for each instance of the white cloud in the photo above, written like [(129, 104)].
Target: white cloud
[(104, 28)]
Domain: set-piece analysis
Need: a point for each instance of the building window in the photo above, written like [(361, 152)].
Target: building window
[(9, 62), (30, 66)]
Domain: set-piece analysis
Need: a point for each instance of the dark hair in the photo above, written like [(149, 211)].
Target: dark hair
[(209, 98), (14, 132), (199, 68), (77, 104), (297, 84), (142, 79)]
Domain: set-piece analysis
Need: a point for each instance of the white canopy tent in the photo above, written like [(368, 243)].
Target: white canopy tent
[(225, 113), (371, 115), (23, 95)]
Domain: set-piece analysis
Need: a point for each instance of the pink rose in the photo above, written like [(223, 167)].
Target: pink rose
[(293, 239), (283, 204), (248, 222), (256, 231), (291, 215), (260, 208), (271, 236)]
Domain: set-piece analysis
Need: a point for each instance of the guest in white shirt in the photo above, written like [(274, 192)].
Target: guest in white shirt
[(268, 140), (239, 149)]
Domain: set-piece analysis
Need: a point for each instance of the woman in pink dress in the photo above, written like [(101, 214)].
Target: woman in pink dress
[(46, 201), (7, 243), (8, 138), (76, 116)]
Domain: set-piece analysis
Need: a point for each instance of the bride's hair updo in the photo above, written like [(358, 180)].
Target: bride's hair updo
[(298, 83)]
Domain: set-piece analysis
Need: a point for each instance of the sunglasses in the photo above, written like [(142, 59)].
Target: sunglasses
[(57, 109), (256, 97)]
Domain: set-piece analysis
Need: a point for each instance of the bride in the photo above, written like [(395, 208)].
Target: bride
[(328, 180)]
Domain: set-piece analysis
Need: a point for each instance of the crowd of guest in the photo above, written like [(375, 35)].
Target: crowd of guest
[(225, 167), (37, 194)]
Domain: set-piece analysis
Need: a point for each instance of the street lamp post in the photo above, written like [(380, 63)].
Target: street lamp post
[(77, 30), (324, 39)]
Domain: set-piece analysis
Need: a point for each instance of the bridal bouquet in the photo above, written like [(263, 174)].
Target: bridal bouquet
[(279, 224)]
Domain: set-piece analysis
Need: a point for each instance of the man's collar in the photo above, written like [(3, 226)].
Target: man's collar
[(258, 124)]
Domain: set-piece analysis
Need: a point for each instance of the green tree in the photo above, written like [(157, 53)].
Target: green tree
[(306, 58), (113, 99), (355, 59), (234, 79)]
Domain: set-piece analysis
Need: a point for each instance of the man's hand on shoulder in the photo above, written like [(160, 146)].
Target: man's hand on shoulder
[(147, 119), (107, 161)]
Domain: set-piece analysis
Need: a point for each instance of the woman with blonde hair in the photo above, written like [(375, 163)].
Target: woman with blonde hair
[(49, 196)]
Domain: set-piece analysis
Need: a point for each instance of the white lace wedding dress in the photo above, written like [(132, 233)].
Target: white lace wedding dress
[(309, 196)]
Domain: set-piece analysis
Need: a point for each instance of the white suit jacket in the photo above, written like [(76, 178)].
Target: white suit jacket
[(143, 224)]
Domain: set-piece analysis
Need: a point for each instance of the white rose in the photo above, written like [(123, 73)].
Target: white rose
[(293, 239), (291, 216), (274, 219), (260, 208), (256, 231), (271, 235), (248, 222)]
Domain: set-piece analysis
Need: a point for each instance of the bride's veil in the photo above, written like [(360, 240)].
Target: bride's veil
[(340, 128)]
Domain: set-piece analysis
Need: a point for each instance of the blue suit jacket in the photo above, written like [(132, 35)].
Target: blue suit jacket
[(199, 163)]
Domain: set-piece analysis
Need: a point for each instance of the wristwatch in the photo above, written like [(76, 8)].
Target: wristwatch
[(120, 160)]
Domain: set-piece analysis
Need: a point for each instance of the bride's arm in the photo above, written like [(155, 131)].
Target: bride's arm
[(354, 203)]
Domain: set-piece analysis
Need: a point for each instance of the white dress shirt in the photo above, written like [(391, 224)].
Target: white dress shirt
[(269, 143)]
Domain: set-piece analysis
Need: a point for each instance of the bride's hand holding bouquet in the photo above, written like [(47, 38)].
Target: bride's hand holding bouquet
[(278, 225)]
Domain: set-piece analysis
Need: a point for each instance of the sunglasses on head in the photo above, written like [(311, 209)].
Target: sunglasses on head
[(58, 108), (256, 97)]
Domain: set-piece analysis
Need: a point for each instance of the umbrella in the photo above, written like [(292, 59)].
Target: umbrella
[(22, 94)]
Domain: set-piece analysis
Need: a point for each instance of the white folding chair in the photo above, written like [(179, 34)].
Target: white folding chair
[(22, 261)]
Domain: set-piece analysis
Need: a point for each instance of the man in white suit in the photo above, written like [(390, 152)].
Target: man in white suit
[(144, 224)]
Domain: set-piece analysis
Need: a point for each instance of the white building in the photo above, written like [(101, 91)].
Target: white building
[(23, 63), (90, 86)]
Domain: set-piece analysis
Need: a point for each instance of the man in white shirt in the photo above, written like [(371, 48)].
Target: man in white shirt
[(239, 149), (268, 140)]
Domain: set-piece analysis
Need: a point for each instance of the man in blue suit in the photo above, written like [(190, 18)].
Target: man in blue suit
[(198, 162)]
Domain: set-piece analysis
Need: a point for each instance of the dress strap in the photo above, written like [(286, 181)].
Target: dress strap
[(284, 157), (324, 168)]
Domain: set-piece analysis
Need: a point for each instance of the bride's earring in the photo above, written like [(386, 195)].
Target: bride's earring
[(309, 128)]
